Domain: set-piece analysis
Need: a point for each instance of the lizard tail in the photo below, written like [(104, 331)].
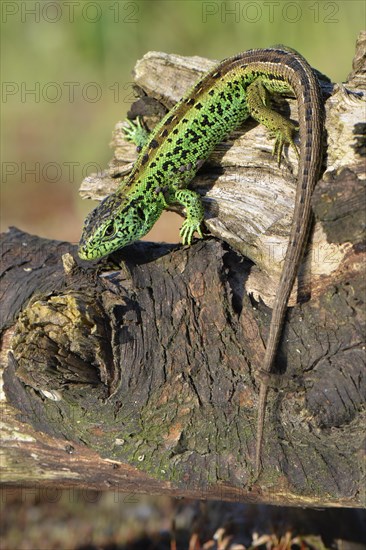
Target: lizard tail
[(260, 426)]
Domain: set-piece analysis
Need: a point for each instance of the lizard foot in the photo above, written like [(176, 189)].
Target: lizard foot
[(135, 132), (187, 230)]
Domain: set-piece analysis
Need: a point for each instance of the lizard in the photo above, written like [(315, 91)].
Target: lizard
[(237, 88)]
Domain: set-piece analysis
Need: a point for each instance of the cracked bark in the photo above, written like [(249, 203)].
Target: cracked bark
[(141, 377)]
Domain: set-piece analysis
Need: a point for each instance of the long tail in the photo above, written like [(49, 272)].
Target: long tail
[(311, 116)]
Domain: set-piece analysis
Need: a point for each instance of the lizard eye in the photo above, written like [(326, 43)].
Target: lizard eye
[(110, 230)]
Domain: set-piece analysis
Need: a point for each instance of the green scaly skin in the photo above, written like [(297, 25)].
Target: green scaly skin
[(174, 152), (225, 97)]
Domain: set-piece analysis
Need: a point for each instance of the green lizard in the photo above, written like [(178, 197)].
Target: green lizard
[(177, 147)]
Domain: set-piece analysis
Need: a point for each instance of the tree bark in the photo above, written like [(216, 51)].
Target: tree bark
[(140, 375)]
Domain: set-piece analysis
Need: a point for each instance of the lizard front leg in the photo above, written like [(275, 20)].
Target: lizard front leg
[(136, 133), (194, 212)]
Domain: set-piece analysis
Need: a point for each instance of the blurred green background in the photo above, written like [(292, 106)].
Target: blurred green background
[(66, 81)]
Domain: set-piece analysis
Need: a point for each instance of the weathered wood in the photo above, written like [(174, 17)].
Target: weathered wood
[(141, 376)]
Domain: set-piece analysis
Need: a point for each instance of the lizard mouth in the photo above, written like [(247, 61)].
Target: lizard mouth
[(84, 254)]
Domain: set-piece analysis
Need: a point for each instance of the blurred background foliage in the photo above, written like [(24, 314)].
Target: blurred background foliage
[(66, 81)]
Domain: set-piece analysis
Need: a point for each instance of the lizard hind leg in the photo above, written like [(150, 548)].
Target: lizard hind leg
[(282, 129)]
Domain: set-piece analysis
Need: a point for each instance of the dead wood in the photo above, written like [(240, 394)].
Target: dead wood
[(140, 376)]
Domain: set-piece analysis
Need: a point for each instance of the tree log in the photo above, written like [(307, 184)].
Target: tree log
[(137, 372)]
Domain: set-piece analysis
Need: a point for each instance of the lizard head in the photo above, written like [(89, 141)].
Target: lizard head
[(116, 222)]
